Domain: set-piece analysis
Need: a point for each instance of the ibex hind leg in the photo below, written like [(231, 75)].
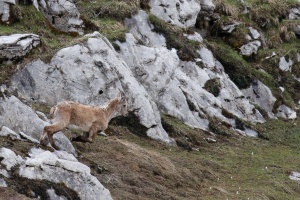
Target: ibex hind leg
[(51, 130), (43, 138)]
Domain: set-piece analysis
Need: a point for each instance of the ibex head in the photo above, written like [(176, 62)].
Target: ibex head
[(123, 103)]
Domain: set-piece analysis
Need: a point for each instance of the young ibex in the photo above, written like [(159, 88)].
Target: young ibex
[(90, 119)]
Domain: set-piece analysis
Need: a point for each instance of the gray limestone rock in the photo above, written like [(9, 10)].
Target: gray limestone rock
[(177, 87), (285, 65), (44, 165), (195, 37), (6, 132), (53, 196), (261, 95), (2, 183), (254, 33), (294, 13), (61, 14), (182, 13), (5, 11), (250, 48), (16, 46), (140, 26), (228, 27), (297, 30), (286, 112), (90, 73), (9, 159), (207, 5), (295, 176)]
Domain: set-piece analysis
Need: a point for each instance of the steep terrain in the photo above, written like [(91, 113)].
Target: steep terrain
[(212, 90)]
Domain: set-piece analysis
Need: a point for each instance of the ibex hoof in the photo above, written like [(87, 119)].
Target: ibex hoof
[(56, 147), (43, 142)]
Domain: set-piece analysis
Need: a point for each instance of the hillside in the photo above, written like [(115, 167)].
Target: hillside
[(212, 89)]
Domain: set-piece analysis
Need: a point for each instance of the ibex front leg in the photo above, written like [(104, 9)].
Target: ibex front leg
[(87, 136)]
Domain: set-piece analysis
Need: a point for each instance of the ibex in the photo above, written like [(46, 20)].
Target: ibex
[(90, 119)]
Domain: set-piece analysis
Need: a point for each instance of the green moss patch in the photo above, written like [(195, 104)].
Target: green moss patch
[(186, 49)]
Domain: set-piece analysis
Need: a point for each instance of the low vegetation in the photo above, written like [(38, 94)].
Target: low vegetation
[(233, 166)]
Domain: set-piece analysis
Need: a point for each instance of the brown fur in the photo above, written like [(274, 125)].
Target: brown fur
[(91, 119)]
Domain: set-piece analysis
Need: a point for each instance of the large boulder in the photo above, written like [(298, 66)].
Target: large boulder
[(15, 46), (90, 73), (6, 10), (61, 14), (182, 13), (58, 167), (178, 87), (21, 118)]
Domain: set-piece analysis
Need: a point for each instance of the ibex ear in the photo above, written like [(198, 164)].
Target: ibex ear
[(121, 95)]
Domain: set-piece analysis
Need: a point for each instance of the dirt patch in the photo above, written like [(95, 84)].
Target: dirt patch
[(10, 194)]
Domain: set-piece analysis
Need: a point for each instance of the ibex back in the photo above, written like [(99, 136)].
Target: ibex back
[(91, 119)]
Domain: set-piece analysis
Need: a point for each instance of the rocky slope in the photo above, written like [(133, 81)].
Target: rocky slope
[(219, 67)]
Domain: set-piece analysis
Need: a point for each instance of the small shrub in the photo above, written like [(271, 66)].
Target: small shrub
[(213, 86)]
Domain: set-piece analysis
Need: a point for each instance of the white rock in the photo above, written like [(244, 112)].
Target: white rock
[(48, 158), (282, 89), (286, 112), (61, 14), (260, 94), (176, 86), (250, 48), (16, 46), (141, 28), (251, 132), (295, 176), (181, 13), (195, 37), (208, 58), (229, 27), (27, 137), (4, 173), (5, 131), (53, 196), (9, 159), (2, 183), (207, 5), (255, 34), (271, 56), (5, 10), (285, 65), (294, 14), (44, 165)]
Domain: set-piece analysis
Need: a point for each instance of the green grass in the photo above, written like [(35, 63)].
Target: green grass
[(235, 66), (111, 28), (118, 9)]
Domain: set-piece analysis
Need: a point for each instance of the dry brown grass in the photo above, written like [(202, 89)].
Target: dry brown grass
[(132, 167), (225, 8)]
